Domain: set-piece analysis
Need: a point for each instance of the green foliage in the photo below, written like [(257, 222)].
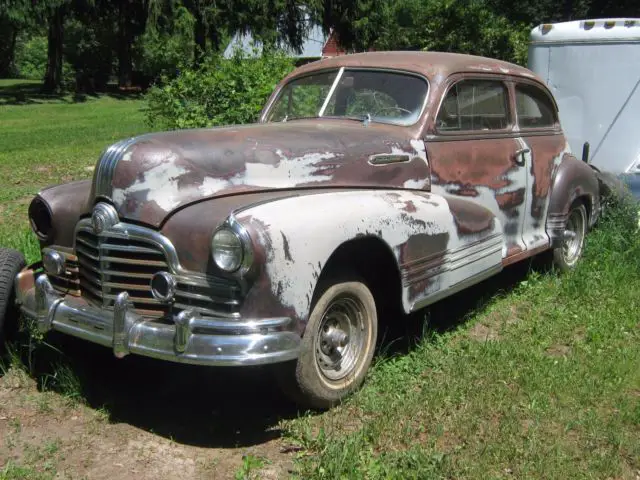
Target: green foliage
[(461, 26), (31, 58), (65, 381), (88, 53), (248, 470), (166, 46), (11, 471), (221, 92)]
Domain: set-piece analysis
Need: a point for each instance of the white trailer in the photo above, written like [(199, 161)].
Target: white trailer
[(593, 70)]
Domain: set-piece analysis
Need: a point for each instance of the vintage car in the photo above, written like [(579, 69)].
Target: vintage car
[(370, 182)]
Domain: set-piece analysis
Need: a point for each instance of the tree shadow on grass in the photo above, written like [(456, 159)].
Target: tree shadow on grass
[(30, 93)]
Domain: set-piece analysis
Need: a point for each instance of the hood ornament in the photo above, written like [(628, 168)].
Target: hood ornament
[(104, 217)]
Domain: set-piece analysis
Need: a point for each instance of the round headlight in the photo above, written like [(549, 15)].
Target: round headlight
[(227, 250), (40, 219)]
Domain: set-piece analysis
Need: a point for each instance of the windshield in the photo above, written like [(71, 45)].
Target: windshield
[(381, 96)]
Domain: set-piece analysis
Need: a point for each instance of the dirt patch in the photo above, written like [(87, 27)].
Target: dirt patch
[(558, 350), (145, 420), (483, 333)]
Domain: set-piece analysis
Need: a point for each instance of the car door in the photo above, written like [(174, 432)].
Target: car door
[(544, 145), (475, 155)]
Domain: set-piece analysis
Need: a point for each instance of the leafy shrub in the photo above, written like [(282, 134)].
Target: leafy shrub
[(31, 57), (221, 92), (163, 49)]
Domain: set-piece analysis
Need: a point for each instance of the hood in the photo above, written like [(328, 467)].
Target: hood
[(150, 176)]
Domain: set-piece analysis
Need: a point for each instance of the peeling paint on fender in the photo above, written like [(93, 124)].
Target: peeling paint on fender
[(296, 256)]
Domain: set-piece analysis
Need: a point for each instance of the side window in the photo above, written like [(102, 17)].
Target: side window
[(472, 105), (534, 108)]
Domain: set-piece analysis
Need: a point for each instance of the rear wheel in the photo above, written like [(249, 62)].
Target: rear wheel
[(11, 262), (566, 256), (337, 346)]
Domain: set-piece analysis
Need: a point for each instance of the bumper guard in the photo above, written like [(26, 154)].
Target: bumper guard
[(191, 339)]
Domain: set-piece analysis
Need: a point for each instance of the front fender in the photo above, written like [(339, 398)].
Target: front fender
[(573, 179), (437, 243), (66, 203)]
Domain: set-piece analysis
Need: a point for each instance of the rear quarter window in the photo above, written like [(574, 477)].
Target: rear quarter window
[(474, 105), (534, 108)]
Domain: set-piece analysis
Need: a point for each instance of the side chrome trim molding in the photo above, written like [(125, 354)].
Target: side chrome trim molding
[(439, 263), (467, 282)]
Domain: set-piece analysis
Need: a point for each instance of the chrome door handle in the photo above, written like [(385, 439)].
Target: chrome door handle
[(519, 156)]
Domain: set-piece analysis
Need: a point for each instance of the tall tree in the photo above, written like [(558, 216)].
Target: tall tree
[(132, 21), (14, 16), (273, 22), (358, 24), (55, 12)]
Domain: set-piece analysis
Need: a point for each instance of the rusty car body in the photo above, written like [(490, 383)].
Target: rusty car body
[(218, 246)]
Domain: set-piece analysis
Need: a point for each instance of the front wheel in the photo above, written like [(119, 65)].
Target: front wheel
[(337, 346), (566, 256), (11, 262)]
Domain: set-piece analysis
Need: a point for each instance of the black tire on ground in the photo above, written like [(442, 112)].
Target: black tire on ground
[(11, 262), (566, 256), (337, 346)]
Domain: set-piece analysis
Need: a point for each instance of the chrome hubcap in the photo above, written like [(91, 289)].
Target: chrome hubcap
[(573, 236), (341, 338)]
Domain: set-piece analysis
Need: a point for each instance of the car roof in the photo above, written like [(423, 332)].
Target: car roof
[(436, 66)]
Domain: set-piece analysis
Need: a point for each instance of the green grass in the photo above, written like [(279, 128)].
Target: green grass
[(555, 394), (52, 139), (12, 471)]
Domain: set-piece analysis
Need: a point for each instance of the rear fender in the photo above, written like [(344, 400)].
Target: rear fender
[(573, 179)]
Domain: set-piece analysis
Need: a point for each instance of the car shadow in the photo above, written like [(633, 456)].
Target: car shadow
[(400, 337), (223, 407)]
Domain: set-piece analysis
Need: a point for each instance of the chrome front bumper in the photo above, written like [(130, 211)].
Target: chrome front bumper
[(190, 339)]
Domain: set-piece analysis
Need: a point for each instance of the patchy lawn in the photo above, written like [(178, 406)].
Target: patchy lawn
[(529, 375), (48, 139)]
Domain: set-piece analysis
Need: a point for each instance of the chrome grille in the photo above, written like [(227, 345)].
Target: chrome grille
[(114, 262)]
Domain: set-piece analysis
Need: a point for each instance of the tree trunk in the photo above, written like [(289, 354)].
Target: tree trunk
[(8, 39), (214, 35), (53, 76), (200, 38), (125, 41)]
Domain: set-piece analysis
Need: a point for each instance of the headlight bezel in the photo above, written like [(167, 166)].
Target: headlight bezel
[(245, 263), (41, 219)]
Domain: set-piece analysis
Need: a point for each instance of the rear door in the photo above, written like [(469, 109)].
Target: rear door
[(544, 145), (475, 154)]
